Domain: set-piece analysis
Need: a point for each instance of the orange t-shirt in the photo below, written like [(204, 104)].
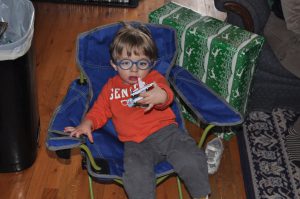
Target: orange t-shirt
[(131, 123)]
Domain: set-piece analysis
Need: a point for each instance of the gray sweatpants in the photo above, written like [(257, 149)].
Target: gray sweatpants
[(173, 145)]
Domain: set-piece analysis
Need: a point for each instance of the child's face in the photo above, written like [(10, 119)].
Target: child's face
[(130, 76)]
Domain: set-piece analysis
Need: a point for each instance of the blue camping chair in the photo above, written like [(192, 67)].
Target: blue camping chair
[(104, 158)]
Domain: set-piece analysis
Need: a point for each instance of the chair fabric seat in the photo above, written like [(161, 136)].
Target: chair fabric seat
[(108, 148)]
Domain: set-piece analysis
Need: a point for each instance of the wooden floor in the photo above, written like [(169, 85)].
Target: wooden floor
[(56, 29)]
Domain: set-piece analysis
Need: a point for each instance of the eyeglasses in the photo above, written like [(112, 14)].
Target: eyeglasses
[(142, 64)]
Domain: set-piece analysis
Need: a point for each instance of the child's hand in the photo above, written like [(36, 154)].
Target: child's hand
[(153, 97), (85, 128)]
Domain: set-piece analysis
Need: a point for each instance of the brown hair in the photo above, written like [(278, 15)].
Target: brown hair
[(136, 40)]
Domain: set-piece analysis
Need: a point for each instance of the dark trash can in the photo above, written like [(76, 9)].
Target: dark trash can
[(19, 118)]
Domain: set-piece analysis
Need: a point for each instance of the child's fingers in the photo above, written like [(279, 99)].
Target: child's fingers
[(77, 134), (69, 129), (143, 101), (154, 84), (144, 94), (90, 137), (74, 134), (150, 106)]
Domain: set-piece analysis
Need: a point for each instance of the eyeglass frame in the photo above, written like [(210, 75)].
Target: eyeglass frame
[(150, 64)]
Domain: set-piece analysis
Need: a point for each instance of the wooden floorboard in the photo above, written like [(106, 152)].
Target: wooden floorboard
[(56, 29)]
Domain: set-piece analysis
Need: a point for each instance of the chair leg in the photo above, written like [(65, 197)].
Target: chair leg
[(90, 156), (204, 135), (91, 187), (82, 79), (179, 188)]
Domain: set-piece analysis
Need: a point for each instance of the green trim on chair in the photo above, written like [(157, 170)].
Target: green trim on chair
[(179, 188), (88, 152), (119, 181), (91, 187), (82, 79), (204, 134), (94, 165), (162, 178)]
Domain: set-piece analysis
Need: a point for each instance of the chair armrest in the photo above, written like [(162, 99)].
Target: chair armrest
[(69, 113), (201, 100), (249, 14), (240, 10)]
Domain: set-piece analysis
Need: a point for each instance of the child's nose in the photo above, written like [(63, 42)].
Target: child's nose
[(134, 67)]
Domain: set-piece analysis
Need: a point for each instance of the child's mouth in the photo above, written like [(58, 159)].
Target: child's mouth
[(133, 78)]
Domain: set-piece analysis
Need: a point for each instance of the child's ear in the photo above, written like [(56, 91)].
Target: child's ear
[(113, 65)]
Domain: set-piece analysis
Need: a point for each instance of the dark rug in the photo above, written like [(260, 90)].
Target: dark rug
[(267, 169)]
